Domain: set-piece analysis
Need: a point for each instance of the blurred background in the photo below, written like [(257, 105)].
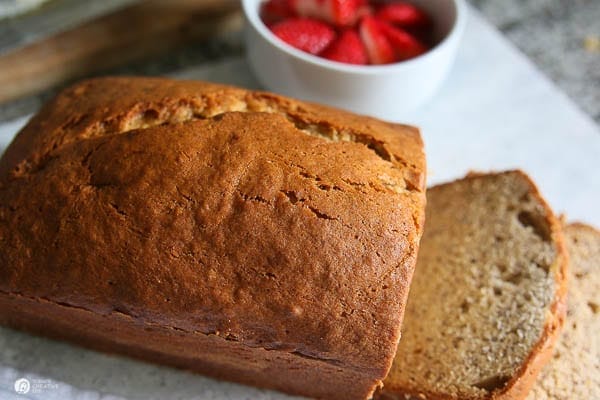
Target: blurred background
[(46, 44)]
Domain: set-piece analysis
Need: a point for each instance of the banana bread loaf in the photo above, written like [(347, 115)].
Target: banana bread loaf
[(239, 234)]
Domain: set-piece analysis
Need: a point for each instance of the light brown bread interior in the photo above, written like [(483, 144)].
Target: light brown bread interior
[(484, 305), (574, 371)]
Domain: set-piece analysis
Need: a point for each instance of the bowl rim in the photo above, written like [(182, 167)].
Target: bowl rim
[(252, 16)]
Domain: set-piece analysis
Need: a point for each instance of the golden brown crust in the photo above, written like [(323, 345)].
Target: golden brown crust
[(520, 384), (216, 211), (577, 225)]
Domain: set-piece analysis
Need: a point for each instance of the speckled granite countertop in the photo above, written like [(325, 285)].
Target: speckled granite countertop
[(562, 37)]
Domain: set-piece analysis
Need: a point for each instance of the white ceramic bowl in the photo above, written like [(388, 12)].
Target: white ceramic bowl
[(387, 91)]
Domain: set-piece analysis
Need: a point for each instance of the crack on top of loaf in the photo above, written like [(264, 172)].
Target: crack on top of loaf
[(255, 198), (385, 183), (169, 111), (331, 134), (294, 199)]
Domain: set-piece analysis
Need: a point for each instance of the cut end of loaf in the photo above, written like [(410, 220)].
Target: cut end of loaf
[(483, 292)]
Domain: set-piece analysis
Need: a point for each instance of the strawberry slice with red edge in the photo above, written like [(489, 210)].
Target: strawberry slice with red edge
[(403, 14), (348, 48), (306, 34), (346, 12), (337, 12), (405, 45), (378, 46), (273, 11)]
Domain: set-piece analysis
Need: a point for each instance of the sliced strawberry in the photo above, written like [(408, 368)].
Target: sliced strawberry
[(364, 10), (346, 12), (378, 46), (403, 14), (305, 34), (348, 48), (273, 11), (337, 12), (405, 44)]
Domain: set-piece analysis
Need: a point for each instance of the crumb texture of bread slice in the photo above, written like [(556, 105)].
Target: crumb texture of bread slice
[(486, 280), (574, 372)]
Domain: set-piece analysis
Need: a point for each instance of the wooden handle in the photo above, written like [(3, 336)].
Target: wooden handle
[(148, 28)]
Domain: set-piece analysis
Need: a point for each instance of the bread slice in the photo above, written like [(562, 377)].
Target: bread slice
[(574, 372), (487, 298)]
